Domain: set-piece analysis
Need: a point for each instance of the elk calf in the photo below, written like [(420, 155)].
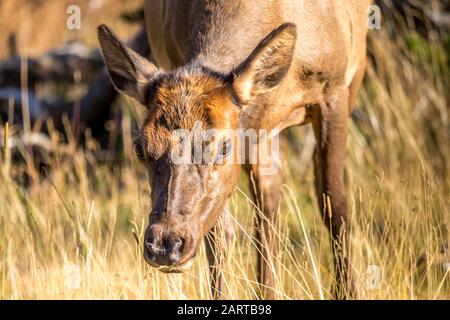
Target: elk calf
[(228, 65)]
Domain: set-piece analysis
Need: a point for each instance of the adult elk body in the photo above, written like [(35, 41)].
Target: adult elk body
[(241, 64)]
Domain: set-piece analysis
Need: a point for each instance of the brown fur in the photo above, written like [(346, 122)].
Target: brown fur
[(237, 64)]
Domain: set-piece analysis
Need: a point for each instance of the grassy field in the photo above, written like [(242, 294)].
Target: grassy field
[(77, 233)]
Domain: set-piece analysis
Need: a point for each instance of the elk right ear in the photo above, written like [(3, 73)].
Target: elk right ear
[(267, 65), (130, 73)]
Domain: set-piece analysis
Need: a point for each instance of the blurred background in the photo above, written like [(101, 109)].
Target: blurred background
[(74, 201)]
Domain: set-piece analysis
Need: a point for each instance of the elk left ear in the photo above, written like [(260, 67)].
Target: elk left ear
[(267, 65), (130, 73)]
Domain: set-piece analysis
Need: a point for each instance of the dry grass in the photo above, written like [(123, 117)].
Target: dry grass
[(91, 215)]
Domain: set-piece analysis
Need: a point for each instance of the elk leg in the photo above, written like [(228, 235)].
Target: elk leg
[(216, 243), (330, 121), (266, 191)]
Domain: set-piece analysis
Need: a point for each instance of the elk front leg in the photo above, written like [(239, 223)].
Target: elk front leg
[(217, 244), (330, 121), (265, 184)]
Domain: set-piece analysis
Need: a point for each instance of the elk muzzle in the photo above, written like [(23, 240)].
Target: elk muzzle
[(168, 251)]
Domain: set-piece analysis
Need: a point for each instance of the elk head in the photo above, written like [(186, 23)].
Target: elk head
[(188, 196)]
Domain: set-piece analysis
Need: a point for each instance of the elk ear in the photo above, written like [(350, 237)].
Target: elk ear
[(267, 65), (130, 73)]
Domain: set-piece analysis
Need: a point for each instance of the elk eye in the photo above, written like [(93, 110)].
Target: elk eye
[(139, 150), (226, 148)]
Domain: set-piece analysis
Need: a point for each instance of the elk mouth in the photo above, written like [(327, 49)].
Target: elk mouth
[(179, 268), (176, 269)]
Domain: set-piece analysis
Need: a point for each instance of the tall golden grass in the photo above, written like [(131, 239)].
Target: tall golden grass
[(89, 216)]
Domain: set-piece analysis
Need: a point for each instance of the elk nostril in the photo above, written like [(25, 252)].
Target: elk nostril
[(177, 244), (175, 247), (154, 249)]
